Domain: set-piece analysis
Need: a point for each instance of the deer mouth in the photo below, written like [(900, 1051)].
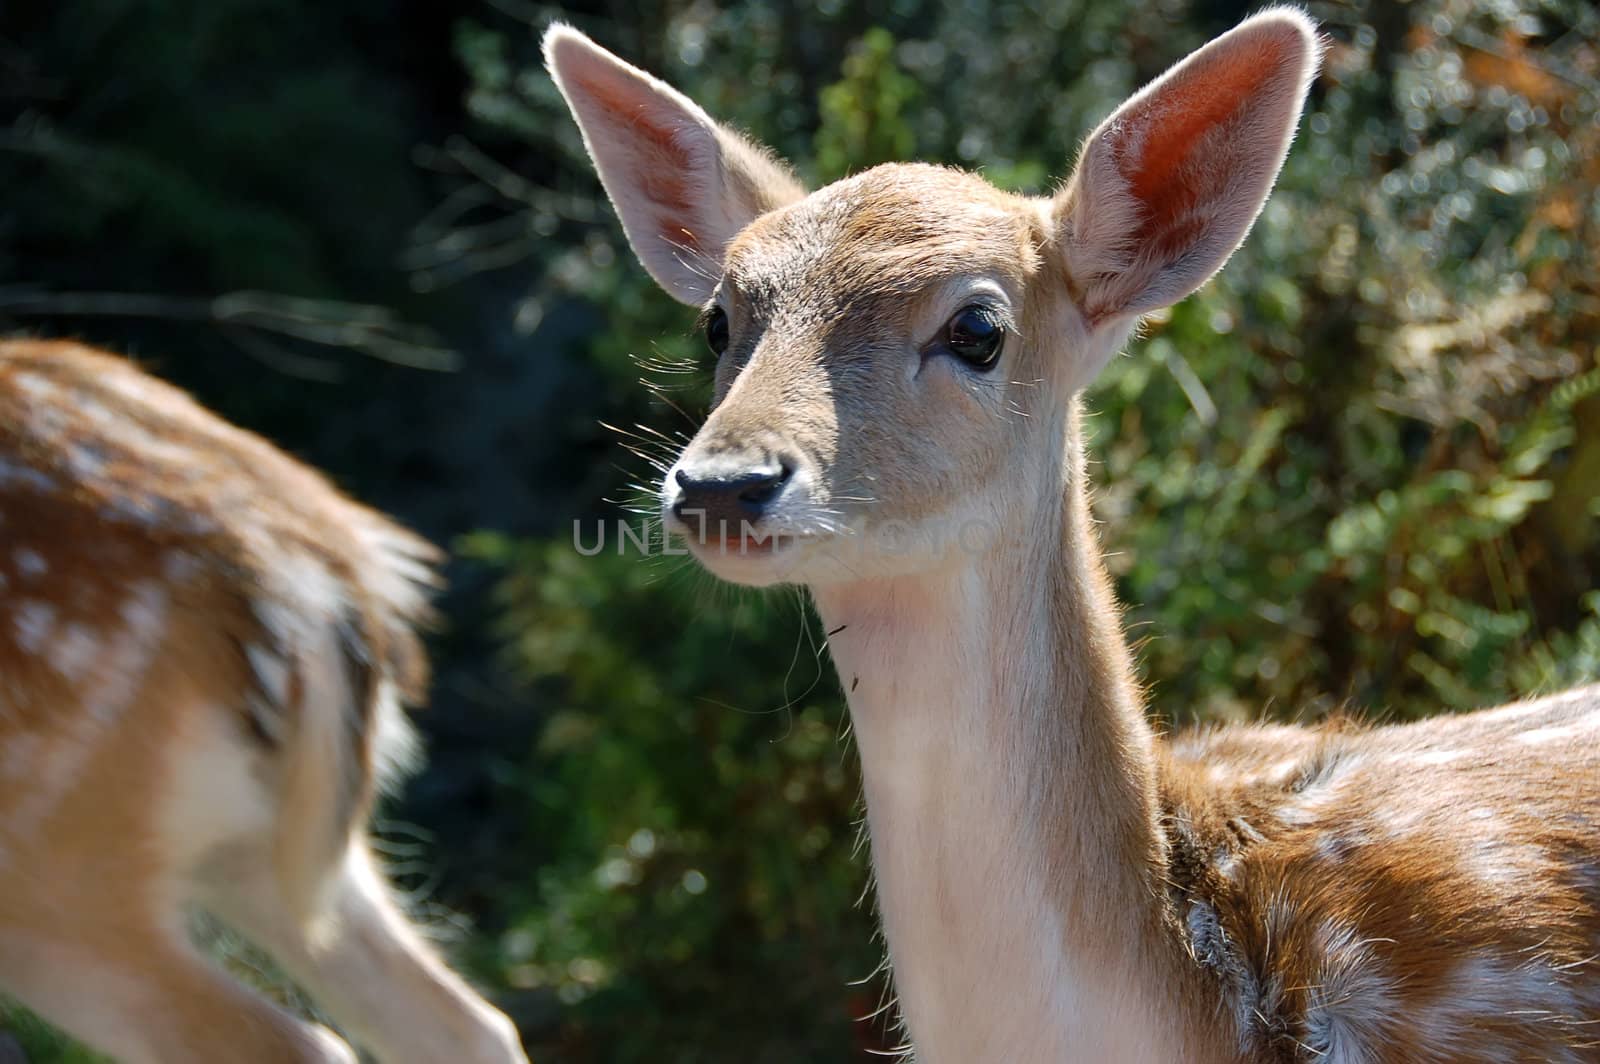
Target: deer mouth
[(750, 544), (757, 559)]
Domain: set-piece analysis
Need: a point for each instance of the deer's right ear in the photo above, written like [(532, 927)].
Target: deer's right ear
[(683, 185)]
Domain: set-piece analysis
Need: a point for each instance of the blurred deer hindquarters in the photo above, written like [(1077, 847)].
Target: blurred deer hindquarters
[(1056, 881), (203, 646)]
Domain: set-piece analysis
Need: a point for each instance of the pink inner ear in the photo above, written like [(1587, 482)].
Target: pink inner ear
[(661, 156), (1167, 179)]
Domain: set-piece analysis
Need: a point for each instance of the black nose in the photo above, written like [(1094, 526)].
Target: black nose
[(717, 503)]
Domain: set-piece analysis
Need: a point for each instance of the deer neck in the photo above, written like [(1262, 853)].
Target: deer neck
[(1010, 781)]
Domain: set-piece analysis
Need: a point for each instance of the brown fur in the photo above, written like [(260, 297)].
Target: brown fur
[(130, 478), (1446, 860), (175, 590)]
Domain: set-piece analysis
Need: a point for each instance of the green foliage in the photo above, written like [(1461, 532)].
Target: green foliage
[(40, 1042), (863, 120), (159, 154), (110, 152), (690, 781)]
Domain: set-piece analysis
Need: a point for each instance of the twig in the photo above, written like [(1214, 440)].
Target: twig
[(374, 331)]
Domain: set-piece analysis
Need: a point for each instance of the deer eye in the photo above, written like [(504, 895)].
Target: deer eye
[(716, 327), (975, 335)]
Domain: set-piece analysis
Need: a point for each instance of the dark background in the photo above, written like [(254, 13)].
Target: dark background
[(1362, 467)]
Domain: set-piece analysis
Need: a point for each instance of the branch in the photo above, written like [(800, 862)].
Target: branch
[(372, 330)]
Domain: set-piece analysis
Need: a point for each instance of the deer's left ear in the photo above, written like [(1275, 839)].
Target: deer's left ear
[(1168, 186), (683, 184)]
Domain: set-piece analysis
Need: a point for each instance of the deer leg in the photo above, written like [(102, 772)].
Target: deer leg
[(370, 970), (144, 996)]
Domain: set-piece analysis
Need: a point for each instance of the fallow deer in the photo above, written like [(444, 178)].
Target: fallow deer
[(203, 648), (907, 347)]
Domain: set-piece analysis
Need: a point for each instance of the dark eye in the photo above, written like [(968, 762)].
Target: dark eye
[(975, 336), (717, 330)]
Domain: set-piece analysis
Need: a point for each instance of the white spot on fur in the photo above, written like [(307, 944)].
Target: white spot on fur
[(1319, 798), (34, 622), (74, 650), (155, 511), (1500, 861), (1401, 822), (1296, 816), (145, 609), (126, 659), (86, 460), (180, 566), (1337, 845), (1450, 1025), (1284, 769), (35, 386), (30, 563), (1439, 757), (13, 474), (271, 673), (1551, 734)]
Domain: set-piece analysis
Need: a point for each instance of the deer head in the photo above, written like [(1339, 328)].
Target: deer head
[(897, 351)]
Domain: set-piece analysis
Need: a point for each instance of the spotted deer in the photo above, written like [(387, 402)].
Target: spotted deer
[(907, 347), (203, 649)]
